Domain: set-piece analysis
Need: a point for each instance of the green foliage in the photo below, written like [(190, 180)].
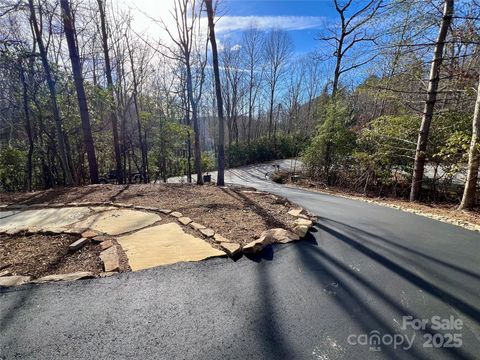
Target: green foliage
[(334, 142), (389, 141), (208, 162), (167, 144), (264, 149), (12, 169), (450, 141)]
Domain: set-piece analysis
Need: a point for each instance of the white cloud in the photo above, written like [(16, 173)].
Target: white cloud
[(236, 47), (238, 23), (144, 11)]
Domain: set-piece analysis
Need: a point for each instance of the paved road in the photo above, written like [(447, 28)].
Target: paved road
[(362, 270)]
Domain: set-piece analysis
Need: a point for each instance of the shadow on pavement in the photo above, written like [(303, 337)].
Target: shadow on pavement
[(327, 270)]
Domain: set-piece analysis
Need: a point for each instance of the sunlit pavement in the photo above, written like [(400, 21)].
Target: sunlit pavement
[(371, 282)]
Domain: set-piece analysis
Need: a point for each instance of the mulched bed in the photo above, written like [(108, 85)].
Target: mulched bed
[(235, 214), (39, 255)]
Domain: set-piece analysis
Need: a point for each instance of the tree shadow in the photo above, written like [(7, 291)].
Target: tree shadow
[(329, 270), (368, 235), (270, 331), (427, 285), (270, 220)]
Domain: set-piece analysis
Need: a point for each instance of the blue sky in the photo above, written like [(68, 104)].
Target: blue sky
[(303, 19)]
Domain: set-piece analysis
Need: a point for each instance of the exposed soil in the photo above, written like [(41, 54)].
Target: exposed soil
[(236, 214), (446, 212), (39, 255)]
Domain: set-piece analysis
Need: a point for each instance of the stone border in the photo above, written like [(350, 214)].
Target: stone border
[(304, 222)]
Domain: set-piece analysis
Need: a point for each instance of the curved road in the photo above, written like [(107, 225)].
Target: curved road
[(329, 297)]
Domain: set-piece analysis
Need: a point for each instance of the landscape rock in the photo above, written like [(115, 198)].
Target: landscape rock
[(257, 245), (303, 222), (176, 214), (5, 273), (78, 244), (101, 238), (119, 221), (164, 244), (220, 239), (301, 230), (56, 205), (122, 205), (147, 208), (110, 259), (107, 274), (45, 219), (89, 234), (165, 211), (207, 232), (106, 244), (7, 281), (230, 248), (76, 230), (296, 212), (185, 220), (280, 235), (65, 277), (196, 226)]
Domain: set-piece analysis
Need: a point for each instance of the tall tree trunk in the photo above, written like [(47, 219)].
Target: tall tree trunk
[(338, 63), (53, 96), (113, 111), (469, 193), (28, 126), (270, 111), (434, 79), (81, 97), (196, 135), (137, 114), (218, 92)]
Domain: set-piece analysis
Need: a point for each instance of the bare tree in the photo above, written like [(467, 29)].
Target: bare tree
[(434, 79), (278, 48), (351, 32), (218, 92), (232, 92), (81, 97), (108, 73), (53, 94), (251, 47), (469, 193), (186, 14)]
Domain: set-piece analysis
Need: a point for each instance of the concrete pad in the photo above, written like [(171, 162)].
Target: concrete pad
[(119, 221), (162, 245), (41, 219)]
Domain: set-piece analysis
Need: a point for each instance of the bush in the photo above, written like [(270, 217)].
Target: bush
[(264, 149), (12, 169), (333, 144)]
